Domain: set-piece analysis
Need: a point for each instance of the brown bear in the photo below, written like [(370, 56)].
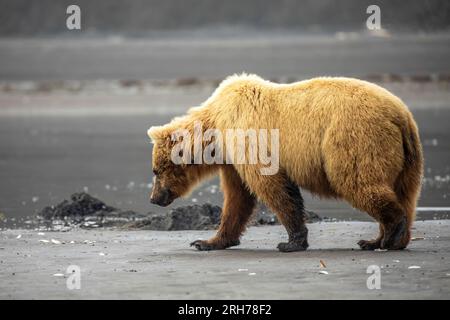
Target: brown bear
[(340, 138)]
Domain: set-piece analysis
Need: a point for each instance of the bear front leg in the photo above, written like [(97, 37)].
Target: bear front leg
[(283, 196), (237, 208)]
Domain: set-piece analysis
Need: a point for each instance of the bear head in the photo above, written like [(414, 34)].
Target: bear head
[(171, 180)]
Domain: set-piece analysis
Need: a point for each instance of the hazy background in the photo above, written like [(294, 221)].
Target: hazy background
[(148, 17), (75, 105)]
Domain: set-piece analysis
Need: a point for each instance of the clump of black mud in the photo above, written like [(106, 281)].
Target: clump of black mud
[(192, 217), (85, 211), (88, 212)]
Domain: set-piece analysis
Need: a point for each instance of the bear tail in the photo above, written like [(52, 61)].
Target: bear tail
[(408, 183)]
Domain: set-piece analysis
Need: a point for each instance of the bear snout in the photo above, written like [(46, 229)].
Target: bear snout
[(162, 198)]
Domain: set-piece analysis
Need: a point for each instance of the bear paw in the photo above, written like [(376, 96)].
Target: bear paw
[(205, 245), (369, 244), (292, 246)]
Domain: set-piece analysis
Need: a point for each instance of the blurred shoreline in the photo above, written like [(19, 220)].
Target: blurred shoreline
[(281, 57), (139, 97)]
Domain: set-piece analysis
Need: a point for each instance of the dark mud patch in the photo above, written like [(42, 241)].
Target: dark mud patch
[(84, 211), (192, 217), (88, 212)]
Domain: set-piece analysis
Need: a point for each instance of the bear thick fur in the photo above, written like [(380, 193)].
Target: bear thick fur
[(339, 137)]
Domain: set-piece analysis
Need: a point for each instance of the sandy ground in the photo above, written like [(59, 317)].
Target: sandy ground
[(154, 265)]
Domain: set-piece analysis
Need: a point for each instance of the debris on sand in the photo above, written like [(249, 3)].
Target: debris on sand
[(414, 267), (192, 217), (80, 205), (323, 272), (322, 264), (201, 217), (87, 212), (84, 211)]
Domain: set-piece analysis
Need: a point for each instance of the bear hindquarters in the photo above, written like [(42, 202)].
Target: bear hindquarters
[(376, 167), (237, 208), (283, 196)]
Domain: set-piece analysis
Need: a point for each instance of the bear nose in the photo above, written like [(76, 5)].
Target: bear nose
[(161, 198)]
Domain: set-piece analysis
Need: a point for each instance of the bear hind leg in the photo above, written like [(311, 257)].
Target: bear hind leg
[(382, 204)]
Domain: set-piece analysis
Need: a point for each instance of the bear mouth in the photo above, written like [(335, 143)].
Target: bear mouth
[(165, 198)]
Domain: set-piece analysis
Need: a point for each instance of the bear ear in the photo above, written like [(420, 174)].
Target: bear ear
[(155, 133)]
